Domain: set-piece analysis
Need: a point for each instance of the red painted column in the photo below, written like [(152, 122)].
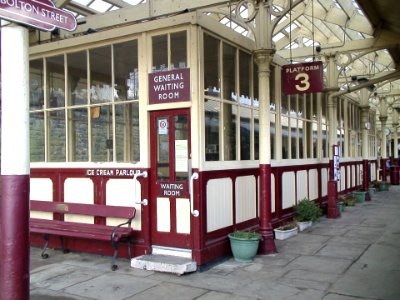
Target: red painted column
[(267, 244), (365, 179), (383, 167), (14, 201)]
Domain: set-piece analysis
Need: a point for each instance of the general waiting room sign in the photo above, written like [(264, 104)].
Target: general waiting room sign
[(41, 14)]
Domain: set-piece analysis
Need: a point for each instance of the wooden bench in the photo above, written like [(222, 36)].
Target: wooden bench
[(59, 227)]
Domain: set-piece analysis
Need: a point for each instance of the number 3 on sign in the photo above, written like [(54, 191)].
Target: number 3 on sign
[(304, 79)]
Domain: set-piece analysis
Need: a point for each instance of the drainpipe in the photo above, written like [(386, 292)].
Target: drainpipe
[(14, 200)]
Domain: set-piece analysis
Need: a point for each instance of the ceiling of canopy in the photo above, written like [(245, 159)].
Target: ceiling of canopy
[(364, 34)]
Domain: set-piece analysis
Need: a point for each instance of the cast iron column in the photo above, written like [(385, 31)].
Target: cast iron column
[(383, 120), (263, 59), (14, 202), (365, 148)]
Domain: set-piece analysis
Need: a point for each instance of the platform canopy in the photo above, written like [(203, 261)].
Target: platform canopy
[(363, 34)]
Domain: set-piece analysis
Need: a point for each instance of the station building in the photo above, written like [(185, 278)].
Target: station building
[(180, 111)]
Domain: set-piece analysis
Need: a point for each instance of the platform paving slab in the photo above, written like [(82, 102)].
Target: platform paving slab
[(327, 262)]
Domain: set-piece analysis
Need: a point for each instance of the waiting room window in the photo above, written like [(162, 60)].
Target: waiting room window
[(89, 109)]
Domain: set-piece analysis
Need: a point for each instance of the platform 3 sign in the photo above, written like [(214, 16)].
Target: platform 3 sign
[(302, 78), (41, 14)]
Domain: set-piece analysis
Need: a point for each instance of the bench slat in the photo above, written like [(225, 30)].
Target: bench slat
[(96, 210)]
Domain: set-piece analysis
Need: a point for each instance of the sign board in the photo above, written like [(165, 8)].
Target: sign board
[(336, 162), (169, 86), (302, 78), (41, 14)]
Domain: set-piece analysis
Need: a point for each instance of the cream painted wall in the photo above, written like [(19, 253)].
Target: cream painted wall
[(219, 204), (245, 199), (79, 190), (288, 189), (41, 189), (120, 192)]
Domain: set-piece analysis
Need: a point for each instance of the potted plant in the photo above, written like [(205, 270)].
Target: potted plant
[(360, 196), (286, 231), (350, 200), (306, 213), (244, 245)]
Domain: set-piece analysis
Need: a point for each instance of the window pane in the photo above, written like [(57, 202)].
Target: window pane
[(127, 132), (160, 52), (77, 76), (273, 134), (229, 119), (178, 50), (56, 81), (245, 133), (293, 142), (78, 122), (229, 79), (56, 129), (102, 139), (302, 139), (285, 137), (100, 75), (212, 117), (163, 166), (36, 91), (272, 87), (245, 77), (211, 63), (36, 129), (126, 71), (256, 134), (181, 148)]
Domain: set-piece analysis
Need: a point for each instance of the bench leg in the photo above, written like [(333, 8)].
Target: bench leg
[(64, 249), (44, 255), (114, 266)]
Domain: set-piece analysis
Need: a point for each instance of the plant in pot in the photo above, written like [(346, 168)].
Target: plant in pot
[(307, 211), (286, 231), (244, 245)]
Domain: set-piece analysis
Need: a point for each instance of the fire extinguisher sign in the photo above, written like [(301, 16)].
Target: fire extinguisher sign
[(302, 78)]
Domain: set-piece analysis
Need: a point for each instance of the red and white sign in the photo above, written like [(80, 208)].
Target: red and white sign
[(302, 78), (169, 86), (41, 14)]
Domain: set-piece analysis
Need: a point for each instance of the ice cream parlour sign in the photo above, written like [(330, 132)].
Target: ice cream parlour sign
[(169, 86)]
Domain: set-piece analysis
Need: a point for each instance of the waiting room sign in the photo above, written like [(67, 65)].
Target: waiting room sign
[(41, 14)]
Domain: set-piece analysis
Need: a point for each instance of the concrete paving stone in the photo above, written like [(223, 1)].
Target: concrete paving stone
[(43, 294), (65, 280), (213, 295), (348, 251), (299, 247), (310, 237), (276, 290), (108, 286), (40, 278), (312, 276), (369, 235), (379, 257), (323, 264), (205, 280), (369, 284), (331, 296), (278, 259), (328, 230), (305, 284), (167, 290)]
